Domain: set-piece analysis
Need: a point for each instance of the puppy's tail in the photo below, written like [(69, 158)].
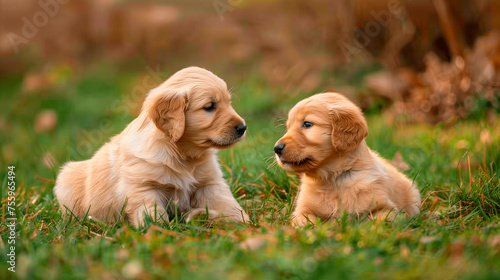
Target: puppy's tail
[(70, 188)]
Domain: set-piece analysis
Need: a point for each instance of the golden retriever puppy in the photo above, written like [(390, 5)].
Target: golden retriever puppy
[(325, 144), (165, 158)]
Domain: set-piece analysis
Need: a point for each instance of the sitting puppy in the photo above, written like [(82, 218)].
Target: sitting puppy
[(165, 158), (325, 143)]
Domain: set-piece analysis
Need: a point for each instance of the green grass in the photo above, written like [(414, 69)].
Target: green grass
[(456, 236)]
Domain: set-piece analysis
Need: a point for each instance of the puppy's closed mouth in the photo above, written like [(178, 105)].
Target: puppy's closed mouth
[(296, 163), (219, 145)]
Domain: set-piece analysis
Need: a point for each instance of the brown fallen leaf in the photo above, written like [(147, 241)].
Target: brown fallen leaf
[(399, 163), (49, 160), (34, 82), (133, 269), (494, 241), (456, 249), (462, 144), (44, 179), (45, 121), (427, 239), (485, 137), (405, 251), (252, 243)]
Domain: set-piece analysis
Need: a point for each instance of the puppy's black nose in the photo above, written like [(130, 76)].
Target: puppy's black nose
[(278, 149), (240, 129)]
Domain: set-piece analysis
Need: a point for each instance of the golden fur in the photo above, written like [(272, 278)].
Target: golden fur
[(338, 171), (165, 157)]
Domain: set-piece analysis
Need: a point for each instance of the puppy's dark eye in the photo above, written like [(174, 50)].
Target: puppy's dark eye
[(210, 107), (307, 124)]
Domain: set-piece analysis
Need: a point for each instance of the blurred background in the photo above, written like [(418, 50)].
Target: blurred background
[(426, 73), (73, 73)]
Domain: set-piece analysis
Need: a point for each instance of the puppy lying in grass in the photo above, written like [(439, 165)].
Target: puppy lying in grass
[(165, 158), (325, 143)]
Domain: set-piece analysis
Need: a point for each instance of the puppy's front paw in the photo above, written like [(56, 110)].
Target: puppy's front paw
[(155, 213), (200, 212), (384, 215), (302, 219), (241, 217)]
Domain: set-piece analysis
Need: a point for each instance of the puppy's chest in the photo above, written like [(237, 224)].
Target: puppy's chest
[(177, 187), (179, 181), (353, 180), (353, 192), (188, 179)]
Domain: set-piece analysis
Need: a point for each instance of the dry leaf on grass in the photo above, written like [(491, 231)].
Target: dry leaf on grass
[(253, 243), (49, 160), (399, 163), (456, 249), (33, 82), (485, 137), (45, 121), (132, 269), (494, 241)]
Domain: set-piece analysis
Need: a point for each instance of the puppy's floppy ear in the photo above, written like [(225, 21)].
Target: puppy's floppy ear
[(349, 128), (168, 114)]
